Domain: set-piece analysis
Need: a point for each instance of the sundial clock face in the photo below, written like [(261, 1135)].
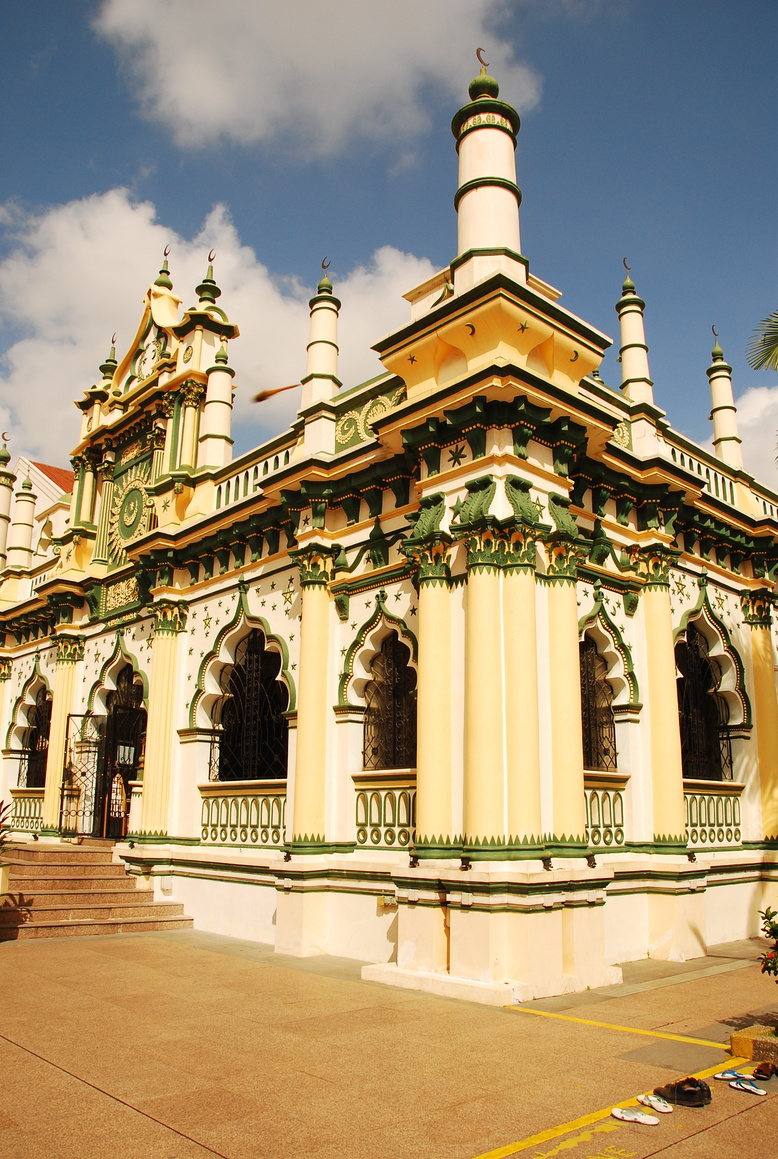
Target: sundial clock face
[(129, 517), (148, 359)]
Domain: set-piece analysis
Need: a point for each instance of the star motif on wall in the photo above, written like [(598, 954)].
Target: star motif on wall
[(272, 585), (523, 326), (413, 611), (353, 627), (274, 606), (191, 650), (456, 510), (189, 677), (292, 666), (719, 601), (306, 521), (165, 504), (194, 614), (411, 358), (457, 455), (368, 603), (398, 595), (207, 623), (261, 603), (291, 635), (220, 603), (201, 655), (288, 597)]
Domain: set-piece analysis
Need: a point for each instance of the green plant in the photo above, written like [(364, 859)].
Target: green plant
[(769, 959), (5, 816)]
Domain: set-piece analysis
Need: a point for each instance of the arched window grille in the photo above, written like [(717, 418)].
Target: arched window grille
[(599, 729), (390, 717), (35, 750), (706, 749), (250, 742), (125, 748)]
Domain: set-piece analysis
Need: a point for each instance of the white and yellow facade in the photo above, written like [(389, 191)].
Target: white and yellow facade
[(490, 504)]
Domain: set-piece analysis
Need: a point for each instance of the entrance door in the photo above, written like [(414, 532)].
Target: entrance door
[(126, 731)]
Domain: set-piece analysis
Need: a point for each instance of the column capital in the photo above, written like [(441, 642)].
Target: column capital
[(192, 392), (654, 562), (430, 557), (6, 667), (316, 562), (70, 649), (756, 606), (562, 559), (170, 617)]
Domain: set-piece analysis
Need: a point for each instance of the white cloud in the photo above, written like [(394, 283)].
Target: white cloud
[(307, 72), (757, 416), (77, 272)]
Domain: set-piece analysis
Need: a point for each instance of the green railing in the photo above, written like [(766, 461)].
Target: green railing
[(385, 813), (604, 814), (27, 811), (712, 815), (239, 814)]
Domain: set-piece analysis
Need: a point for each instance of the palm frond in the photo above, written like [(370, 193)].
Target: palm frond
[(762, 347)]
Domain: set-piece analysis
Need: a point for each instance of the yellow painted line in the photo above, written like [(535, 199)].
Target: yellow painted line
[(587, 1120), (626, 1029)]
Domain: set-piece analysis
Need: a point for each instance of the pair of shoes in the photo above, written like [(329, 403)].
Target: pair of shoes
[(731, 1075), (689, 1092), (655, 1103), (765, 1071), (745, 1084), (630, 1115)]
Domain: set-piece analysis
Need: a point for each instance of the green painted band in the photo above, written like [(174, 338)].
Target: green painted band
[(323, 342), (481, 182), (633, 346), (628, 302)]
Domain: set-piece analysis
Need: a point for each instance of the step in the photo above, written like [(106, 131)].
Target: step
[(56, 855), (45, 897), (90, 929), (30, 886), (76, 912), (73, 871)]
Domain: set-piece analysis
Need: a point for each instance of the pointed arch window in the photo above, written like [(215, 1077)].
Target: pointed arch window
[(35, 750), (598, 724), (706, 748), (252, 731), (390, 716)]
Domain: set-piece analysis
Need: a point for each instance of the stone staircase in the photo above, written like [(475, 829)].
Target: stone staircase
[(57, 890)]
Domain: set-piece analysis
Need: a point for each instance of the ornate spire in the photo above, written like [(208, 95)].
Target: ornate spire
[(108, 367), (726, 440), (208, 291), (636, 381)]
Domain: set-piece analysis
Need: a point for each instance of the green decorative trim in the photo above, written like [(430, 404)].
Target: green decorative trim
[(315, 563), (317, 845), (757, 607), (563, 557), (480, 182), (660, 844), (430, 848), (169, 617), (36, 674), (654, 563), (704, 610), (381, 612), (70, 649), (242, 612), (118, 650), (599, 614), (6, 668), (428, 547), (567, 846)]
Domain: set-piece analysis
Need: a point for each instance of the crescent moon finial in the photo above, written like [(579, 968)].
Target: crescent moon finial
[(6, 437), (626, 267), (715, 332), (113, 340), (325, 265), (479, 54), (166, 252), (211, 255)]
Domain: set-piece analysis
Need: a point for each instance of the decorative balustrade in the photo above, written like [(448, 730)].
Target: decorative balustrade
[(27, 810), (386, 809), (604, 797), (249, 480), (712, 814), (247, 813)]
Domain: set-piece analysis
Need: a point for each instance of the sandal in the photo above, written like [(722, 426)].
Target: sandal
[(656, 1103), (729, 1076), (630, 1115), (765, 1071), (750, 1088)]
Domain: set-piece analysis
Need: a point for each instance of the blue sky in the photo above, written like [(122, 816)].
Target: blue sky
[(647, 131)]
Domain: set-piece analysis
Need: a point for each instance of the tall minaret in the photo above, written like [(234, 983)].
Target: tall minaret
[(488, 198), (726, 441), (22, 527), (7, 480), (636, 381), (321, 383)]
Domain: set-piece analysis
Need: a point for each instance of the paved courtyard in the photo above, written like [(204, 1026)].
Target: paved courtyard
[(184, 1044)]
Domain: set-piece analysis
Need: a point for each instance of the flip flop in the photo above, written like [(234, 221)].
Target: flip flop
[(750, 1088), (728, 1076), (656, 1103), (630, 1115)]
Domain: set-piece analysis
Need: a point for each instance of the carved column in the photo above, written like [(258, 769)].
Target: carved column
[(434, 817), (666, 763), (309, 824), (70, 653), (169, 622), (105, 470), (757, 613), (171, 411), (191, 396)]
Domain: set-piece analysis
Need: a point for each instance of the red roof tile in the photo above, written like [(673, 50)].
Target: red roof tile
[(58, 475)]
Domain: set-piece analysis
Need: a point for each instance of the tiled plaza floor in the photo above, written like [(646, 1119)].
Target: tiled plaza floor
[(176, 1045)]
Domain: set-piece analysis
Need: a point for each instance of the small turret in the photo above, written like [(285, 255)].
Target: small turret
[(321, 381), (7, 480), (726, 441), (215, 441), (636, 381), (22, 527), (487, 200)]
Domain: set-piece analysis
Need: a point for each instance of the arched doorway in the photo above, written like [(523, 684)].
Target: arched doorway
[(35, 746), (389, 740), (104, 754), (251, 736), (597, 720), (706, 749)]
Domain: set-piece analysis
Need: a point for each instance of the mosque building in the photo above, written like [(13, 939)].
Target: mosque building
[(469, 674)]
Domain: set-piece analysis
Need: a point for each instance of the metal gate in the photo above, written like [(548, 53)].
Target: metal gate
[(83, 781), (125, 733)]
